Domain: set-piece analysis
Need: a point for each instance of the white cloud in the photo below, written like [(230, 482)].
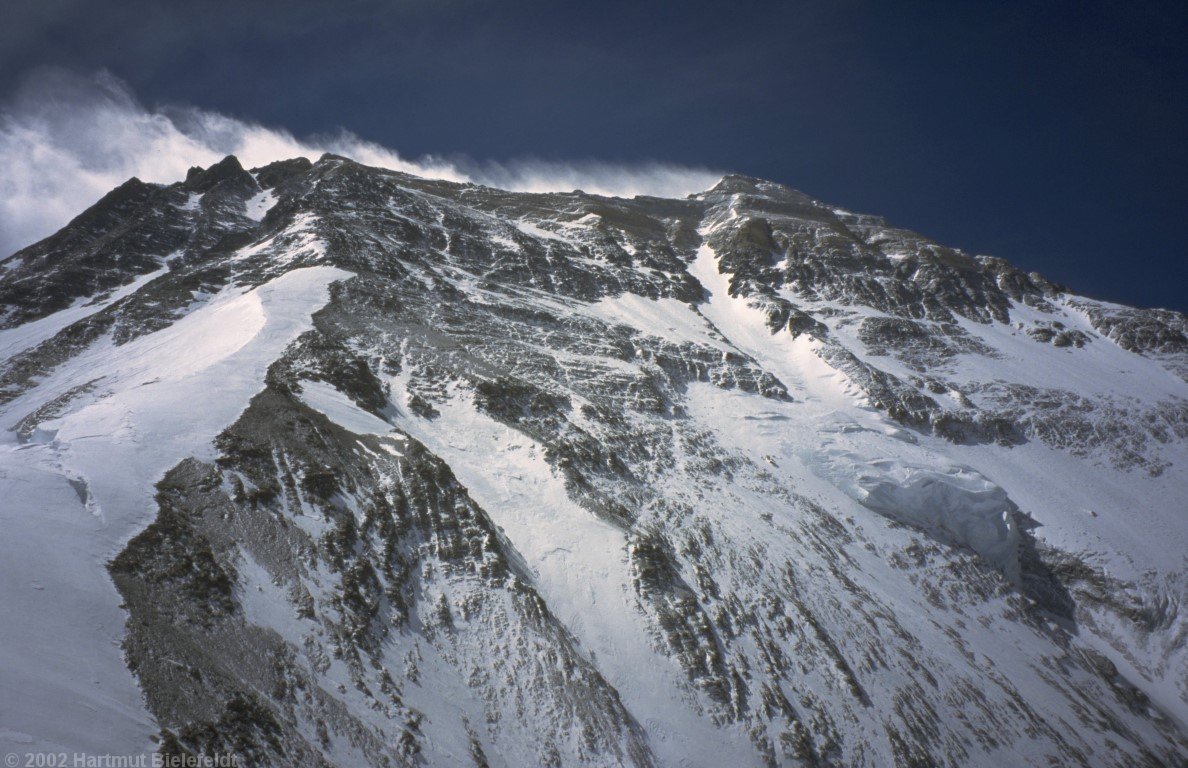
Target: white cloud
[(596, 177), (66, 140)]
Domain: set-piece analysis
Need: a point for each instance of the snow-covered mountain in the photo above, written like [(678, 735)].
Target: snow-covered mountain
[(321, 464)]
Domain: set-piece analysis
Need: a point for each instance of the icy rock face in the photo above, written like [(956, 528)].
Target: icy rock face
[(321, 464)]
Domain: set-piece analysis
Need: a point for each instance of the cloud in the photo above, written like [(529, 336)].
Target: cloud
[(66, 140), (594, 176)]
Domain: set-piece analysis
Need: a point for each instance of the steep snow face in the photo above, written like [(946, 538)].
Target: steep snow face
[(350, 467), (80, 485)]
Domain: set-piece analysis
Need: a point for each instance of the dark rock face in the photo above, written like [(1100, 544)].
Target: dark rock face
[(94, 253), (227, 173), (131, 232), (361, 572), (274, 174)]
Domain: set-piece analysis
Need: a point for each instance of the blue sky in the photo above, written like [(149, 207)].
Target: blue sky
[(1050, 133)]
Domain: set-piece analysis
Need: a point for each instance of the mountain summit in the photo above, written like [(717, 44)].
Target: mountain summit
[(321, 464)]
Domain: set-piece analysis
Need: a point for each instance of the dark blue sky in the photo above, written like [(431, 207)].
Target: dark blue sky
[(1050, 133)]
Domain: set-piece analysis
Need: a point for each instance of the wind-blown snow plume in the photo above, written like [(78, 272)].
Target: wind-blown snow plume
[(593, 176), (65, 140)]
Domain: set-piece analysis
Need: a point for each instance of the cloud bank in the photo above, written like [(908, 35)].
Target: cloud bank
[(66, 140)]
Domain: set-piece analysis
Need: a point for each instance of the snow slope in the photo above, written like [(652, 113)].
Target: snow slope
[(75, 494)]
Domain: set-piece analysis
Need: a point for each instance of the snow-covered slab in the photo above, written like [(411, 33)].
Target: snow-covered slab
[(259, 205), (668, 318), (341, 410), (539, 232)]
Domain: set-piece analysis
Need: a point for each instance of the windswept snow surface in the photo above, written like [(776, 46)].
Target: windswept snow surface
[(667, 318), (83, 486)]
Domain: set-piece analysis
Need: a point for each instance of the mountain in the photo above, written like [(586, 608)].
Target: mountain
[(321, 464)]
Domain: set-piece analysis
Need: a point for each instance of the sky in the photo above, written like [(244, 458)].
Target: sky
[(1053, 134)]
